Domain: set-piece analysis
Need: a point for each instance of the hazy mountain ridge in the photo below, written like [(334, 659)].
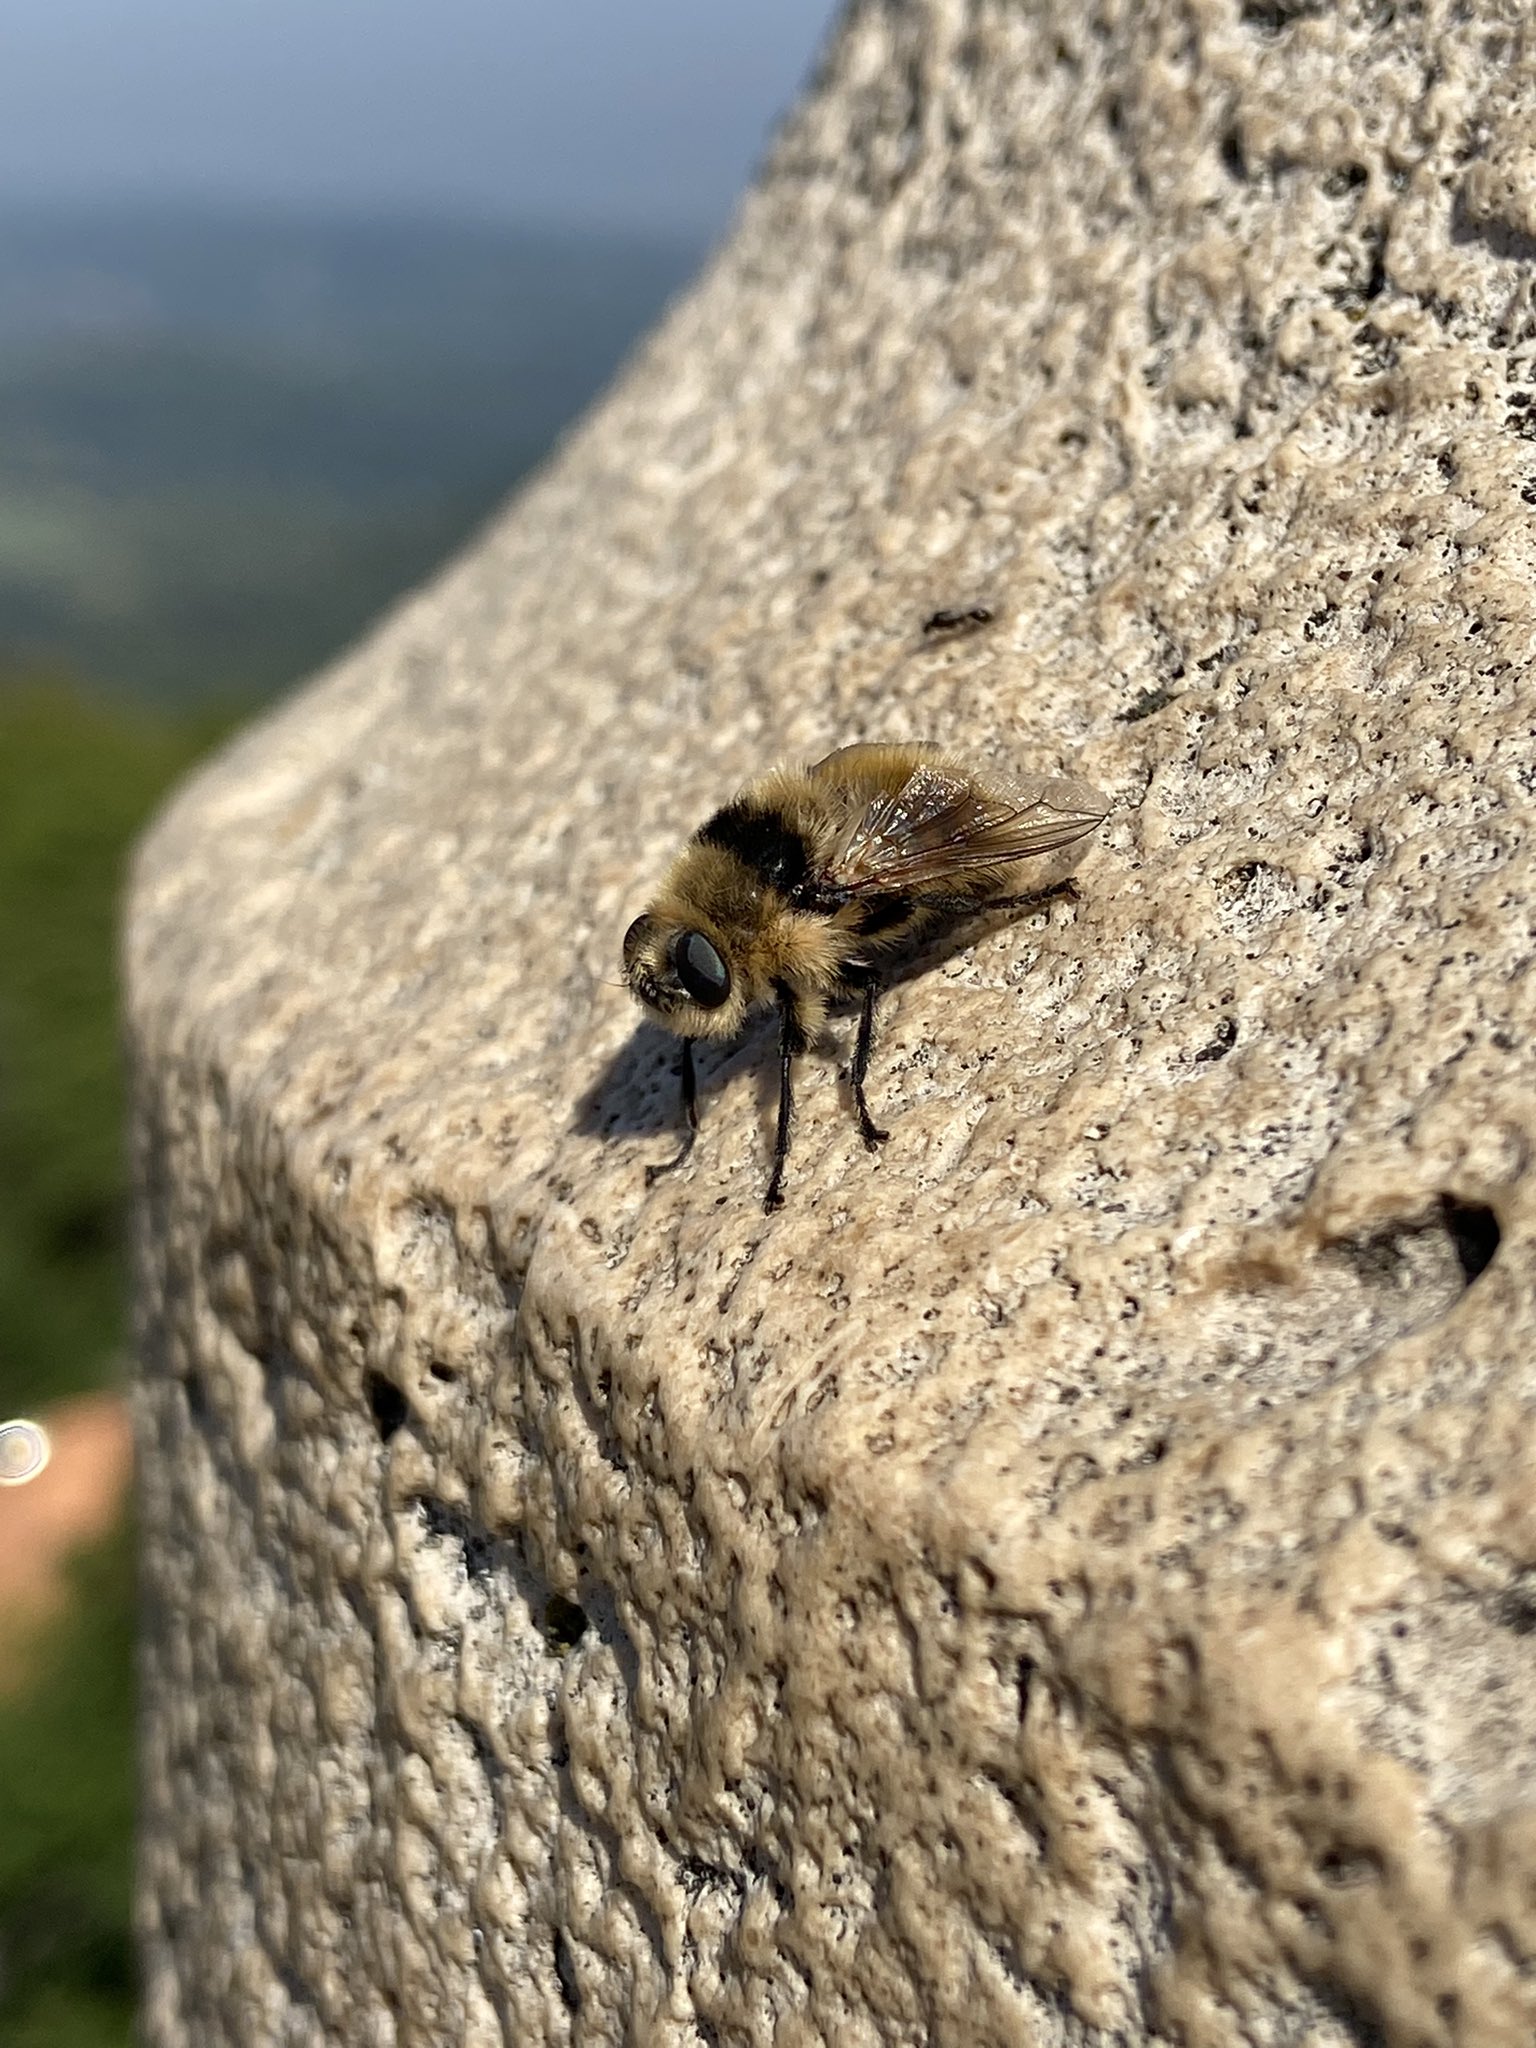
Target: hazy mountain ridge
[(227, 440)]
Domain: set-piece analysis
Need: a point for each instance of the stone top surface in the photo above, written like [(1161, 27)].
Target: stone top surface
[(1071, 1573)]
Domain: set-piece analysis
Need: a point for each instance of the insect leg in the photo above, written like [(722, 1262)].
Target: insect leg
[(690, 1112), (1067, 888), (868, 1130), (791, 1041), (956, 907)]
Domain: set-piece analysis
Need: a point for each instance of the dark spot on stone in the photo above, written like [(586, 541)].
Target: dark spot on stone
[(452, 1525), (565, 1971), (1024, 1679), (387, 1405), (958, 619), (564, 1623), (1474, 1230), (698, 1876), (441, 1520), (1515, 1609), (1273, 17), (1222, 1043), (1145, 704)]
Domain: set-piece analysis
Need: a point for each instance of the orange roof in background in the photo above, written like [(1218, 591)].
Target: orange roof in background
[(73, 1500)]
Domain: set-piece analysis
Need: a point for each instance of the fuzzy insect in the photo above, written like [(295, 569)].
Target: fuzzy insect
[(807, 887)]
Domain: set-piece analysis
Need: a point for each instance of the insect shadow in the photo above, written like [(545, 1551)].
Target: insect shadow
[(635, 1093)]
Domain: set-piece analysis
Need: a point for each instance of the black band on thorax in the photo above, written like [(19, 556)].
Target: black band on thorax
[(761, 841)]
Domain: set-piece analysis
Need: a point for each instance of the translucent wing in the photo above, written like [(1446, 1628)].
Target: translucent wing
[(944, 823)]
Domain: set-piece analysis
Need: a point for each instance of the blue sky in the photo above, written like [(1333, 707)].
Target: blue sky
[(619, 112)]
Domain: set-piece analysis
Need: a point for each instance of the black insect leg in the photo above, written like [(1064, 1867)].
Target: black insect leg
[(791, 1042), (690, 1112), (868, 1129), (1066, 888), (956, 908)]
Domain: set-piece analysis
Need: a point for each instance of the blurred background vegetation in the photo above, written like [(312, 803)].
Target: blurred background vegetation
[(226, 440)]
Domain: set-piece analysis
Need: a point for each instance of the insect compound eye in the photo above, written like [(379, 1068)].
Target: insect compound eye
[(704, 975)]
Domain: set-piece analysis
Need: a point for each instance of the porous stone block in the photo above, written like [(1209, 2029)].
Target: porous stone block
[(1071, 1578)]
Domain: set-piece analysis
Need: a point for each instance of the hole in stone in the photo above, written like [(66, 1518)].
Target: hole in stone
[(1024, 1680), (1403, 1253), (565, 1971), (1359, 1293), (441, 1372), (564, 1623), (1474, 1231), (1273, 17), (386, 1404), (441, 1520)]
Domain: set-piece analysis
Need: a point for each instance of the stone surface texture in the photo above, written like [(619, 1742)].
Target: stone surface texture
[(1071, 1578)]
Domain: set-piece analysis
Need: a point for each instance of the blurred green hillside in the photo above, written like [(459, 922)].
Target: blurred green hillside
[(224, 445), (77, 779), (66, 1787)]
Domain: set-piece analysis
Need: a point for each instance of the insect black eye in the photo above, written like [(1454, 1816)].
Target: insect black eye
[(703, 974)]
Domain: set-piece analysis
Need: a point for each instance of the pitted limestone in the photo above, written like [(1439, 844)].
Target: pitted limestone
[(1070, 1579)]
